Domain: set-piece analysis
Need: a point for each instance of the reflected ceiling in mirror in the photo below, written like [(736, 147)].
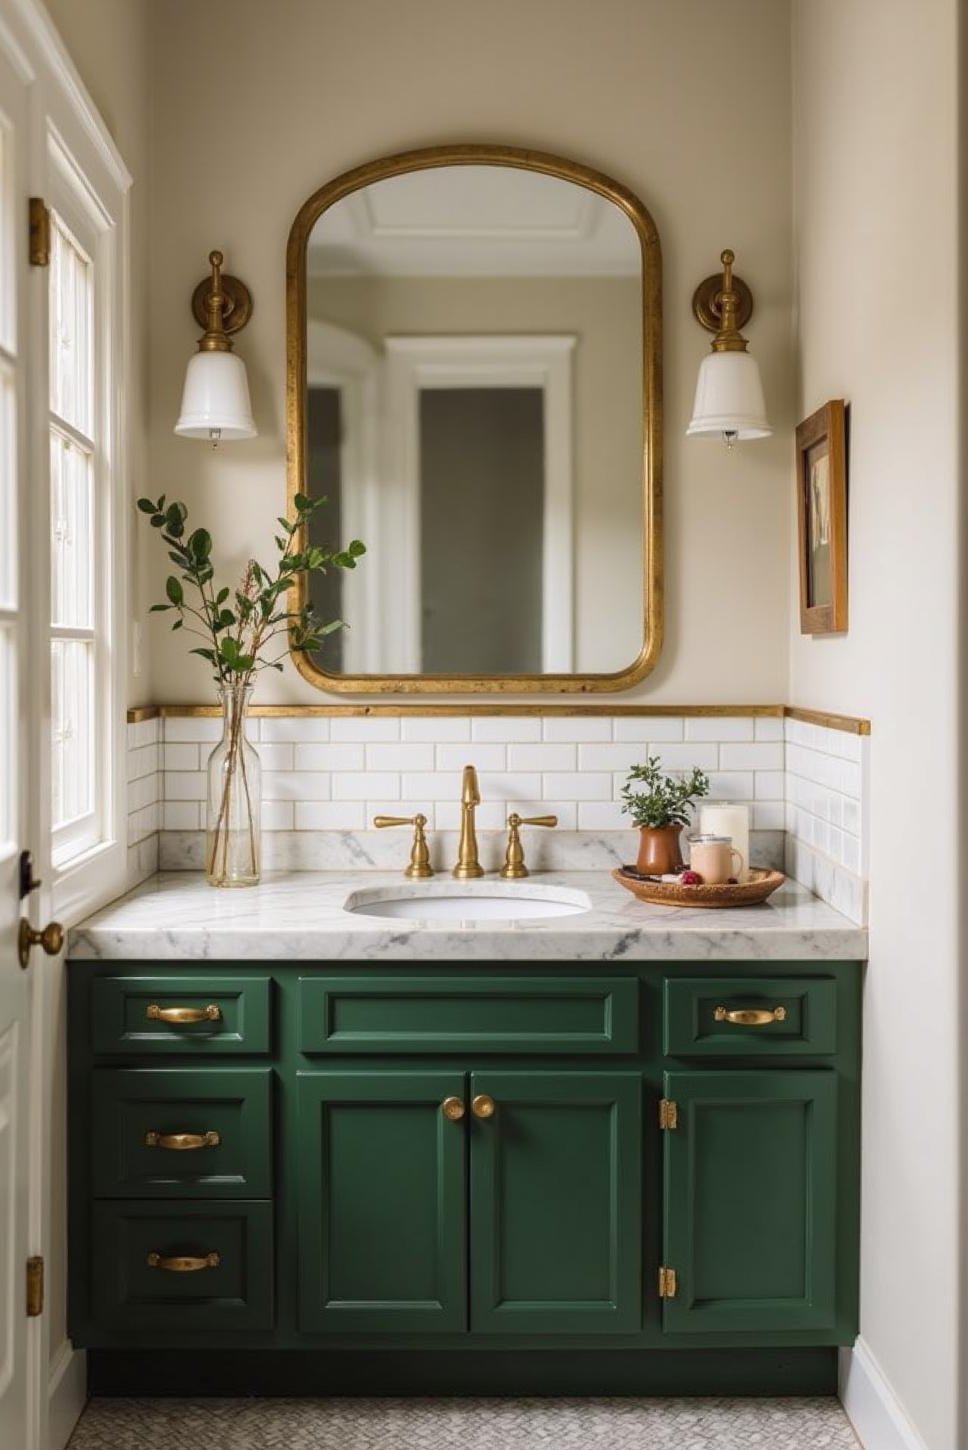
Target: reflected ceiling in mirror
[(474, 385)]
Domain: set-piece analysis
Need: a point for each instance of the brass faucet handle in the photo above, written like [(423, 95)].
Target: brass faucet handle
[(514, 868), (420, 868)]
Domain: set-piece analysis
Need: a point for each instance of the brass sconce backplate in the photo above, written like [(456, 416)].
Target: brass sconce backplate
[(706, 309), (238, 303)]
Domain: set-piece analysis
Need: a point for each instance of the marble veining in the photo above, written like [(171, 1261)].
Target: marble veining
[(301, 916)]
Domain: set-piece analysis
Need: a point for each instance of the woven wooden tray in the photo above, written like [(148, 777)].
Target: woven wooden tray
[(669, 893)]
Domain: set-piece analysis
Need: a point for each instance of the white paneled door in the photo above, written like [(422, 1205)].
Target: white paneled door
[(15, 986)]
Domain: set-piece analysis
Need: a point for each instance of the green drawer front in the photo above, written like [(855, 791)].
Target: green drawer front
[(121, 1023), (808, 1026), (137, 1113), (468, 1013), (128, 1294)]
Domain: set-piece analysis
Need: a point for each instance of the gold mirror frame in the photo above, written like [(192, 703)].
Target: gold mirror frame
[(296, 330)]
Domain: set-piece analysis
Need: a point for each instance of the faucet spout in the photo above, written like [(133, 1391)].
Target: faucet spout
[(468, 865)]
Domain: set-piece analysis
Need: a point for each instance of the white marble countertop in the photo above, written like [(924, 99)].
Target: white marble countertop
[(300, 916)]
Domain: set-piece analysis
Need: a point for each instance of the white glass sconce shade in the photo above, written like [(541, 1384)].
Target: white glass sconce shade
[(729, 399), (215, 402)]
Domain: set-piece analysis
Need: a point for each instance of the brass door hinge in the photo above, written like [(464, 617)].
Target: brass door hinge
[(668, 1283), (35, 1287), (668, 1113), (39, 249)]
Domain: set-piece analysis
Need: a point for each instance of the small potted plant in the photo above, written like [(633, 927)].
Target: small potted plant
[(660, 805), (243, 631)]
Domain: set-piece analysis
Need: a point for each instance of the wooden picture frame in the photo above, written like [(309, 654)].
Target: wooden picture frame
[(821, 470)]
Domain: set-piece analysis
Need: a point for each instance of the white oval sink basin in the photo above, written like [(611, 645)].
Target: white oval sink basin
[(458, 903)]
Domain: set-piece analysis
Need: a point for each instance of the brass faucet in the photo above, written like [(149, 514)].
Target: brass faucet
[(468, 866)]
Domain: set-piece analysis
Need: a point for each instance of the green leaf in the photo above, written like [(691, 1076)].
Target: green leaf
[(200, 544), (174, 590), (302, 503), (158, 608), (178, 624), (158, 522), (356, 548), (146, 506), (221, 596), (226, 619), (206, 654)]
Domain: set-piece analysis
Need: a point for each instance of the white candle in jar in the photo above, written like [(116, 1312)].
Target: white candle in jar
[(726, 818)]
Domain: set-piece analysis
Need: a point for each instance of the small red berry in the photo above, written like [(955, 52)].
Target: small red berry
[(731, 881), (690, 878)]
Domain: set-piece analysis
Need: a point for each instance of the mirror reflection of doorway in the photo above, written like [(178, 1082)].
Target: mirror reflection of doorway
[(481, 529), (324, 442)]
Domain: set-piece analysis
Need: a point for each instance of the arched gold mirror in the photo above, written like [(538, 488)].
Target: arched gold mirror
[(475, 384)]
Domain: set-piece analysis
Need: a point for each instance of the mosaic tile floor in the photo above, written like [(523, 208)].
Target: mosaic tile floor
[(464, 1424)]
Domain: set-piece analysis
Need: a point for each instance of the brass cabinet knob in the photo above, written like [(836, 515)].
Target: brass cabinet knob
[(51, 940), (749, 1016), (514, 868), (183, 1263), (420, 868), (211, 1013), (453, 1109), (183, 1142), (483, 1106)]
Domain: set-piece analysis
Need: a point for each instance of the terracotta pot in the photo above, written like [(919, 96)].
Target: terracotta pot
[(659, 852)]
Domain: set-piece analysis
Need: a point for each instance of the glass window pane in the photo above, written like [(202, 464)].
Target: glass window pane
[(71, 533), (72, 730), (71, 331)]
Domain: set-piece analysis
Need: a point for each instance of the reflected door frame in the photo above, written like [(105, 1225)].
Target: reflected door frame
[(493, 361), (354, 369)]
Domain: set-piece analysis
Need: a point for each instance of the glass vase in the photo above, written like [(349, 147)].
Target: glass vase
[(232, 827)]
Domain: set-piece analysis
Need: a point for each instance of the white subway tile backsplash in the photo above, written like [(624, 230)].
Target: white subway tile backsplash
[(325, 778), (395, 756), (274, 755), (506, 729), (575, 728), (365, 729), (763, 755), (555, 756), (454, 756), (295, 730), (720, 727), (436, 728), (578, 785), (649, 728)]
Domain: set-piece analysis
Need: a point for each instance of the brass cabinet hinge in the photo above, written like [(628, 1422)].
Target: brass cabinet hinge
[(35, 1286), (39, 249), (668, 1113), (668, 1283)]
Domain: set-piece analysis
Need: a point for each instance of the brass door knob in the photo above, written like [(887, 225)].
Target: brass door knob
[(749, 1016), (51, 939), (483, 1106), (453, 1109)]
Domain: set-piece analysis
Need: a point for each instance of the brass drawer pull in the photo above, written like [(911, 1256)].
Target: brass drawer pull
[(483, 1106), (211, 1013), (453, 1109), (750, 1016), (183, 1263), (180, 1142)]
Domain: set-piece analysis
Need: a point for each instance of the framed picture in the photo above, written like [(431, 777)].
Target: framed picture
[(822, 514)]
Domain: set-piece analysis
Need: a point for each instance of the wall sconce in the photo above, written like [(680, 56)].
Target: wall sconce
[(215, 402), (729, 395)]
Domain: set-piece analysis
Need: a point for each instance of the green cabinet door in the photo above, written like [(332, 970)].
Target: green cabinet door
[(556, 1203), (751, 1201), (382, 1202)]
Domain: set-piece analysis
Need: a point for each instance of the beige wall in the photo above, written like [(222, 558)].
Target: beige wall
[(876, 231), (605, 315), (108, 42), (625, 85)]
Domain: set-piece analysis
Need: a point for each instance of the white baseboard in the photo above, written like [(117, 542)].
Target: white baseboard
[(67, 1394), (870, 1404)]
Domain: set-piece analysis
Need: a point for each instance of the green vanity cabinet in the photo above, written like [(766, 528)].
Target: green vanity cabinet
[(505, 1168)]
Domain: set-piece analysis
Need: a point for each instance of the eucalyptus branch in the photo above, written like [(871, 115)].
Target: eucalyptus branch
[(666, 800), (236, 638)]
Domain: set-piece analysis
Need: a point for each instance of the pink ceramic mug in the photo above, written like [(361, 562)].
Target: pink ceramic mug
[(712, 857)]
